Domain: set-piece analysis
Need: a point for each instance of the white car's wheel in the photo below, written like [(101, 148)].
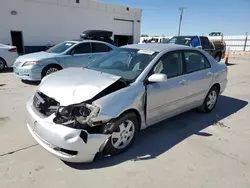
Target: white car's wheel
[(210, 100), (123, 134), (2, 64)]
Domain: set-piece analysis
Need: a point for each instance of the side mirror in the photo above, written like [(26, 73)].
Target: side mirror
[(158, 77)]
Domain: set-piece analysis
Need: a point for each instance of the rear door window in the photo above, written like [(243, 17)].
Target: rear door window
[(100, 47), (195, 61), (82, 48), (205, 43)]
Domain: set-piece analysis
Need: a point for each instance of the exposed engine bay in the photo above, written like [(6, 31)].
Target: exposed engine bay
[(78, 116)]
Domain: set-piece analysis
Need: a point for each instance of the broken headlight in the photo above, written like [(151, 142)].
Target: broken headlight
[(82, 113), (64, 112)]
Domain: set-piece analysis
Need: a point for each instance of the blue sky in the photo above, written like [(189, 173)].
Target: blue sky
[(232, 17)]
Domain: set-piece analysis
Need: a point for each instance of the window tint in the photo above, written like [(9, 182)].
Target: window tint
[(124, 62), (99, 47), (205, 43), (121, 58), (170, 64), (61, 47), (82, 48), (195, 61), (180, 40)]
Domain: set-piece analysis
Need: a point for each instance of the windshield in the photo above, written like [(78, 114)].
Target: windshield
[(180, 40), (61, 47), (124, 62)]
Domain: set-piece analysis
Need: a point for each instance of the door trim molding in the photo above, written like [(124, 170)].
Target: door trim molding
[(124, 20)]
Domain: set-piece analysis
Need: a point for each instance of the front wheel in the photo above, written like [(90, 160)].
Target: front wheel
[(210, 100), (50, 69), (123, 134)]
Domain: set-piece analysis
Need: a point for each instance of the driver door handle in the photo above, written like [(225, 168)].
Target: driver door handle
[(90, 56), (183, 82)]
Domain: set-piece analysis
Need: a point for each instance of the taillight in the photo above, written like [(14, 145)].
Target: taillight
[(12, 50)]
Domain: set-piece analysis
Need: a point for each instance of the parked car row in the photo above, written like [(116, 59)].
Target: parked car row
[(35, 66), (217, 49), (8, 55), (105, 95)]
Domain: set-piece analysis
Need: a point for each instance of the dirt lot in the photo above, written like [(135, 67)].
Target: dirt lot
[(190, 150)]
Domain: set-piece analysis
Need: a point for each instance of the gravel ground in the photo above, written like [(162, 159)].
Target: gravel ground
[(189, 150)]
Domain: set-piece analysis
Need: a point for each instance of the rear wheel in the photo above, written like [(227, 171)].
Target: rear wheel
[(50, 69), (210, 100), (218, 57), (123, 134), (2, 64)]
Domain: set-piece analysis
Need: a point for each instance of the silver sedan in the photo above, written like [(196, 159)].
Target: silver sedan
[(77, 113)]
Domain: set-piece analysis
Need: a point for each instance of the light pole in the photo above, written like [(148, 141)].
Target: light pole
[(181, 9)]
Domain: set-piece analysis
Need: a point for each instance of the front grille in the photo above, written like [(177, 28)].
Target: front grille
[(45, 104)]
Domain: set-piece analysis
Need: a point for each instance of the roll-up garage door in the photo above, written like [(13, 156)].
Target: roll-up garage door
[(123, 27)]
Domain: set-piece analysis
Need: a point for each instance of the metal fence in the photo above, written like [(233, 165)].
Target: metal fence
[(235, 42)]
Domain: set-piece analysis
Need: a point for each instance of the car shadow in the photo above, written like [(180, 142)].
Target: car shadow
[(161, 137), (7, 70), (230, 64), (35, 83)]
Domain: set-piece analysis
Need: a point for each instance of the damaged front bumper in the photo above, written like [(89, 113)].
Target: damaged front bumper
[(68, 144)]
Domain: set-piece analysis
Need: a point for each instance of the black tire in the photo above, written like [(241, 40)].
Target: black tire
[(2, 64), (205, 107), (46, 70), (110, 148), (218, 57)]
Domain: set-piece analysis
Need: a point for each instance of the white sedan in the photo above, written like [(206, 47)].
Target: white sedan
[(8, 55), (77, 113)]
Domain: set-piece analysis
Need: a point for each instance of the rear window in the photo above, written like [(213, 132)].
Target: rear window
[(180, 40)]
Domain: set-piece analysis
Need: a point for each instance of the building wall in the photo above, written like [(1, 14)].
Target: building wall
[(53, 21)]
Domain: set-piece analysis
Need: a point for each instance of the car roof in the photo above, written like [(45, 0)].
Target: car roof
[(83, 41), (157, 47)]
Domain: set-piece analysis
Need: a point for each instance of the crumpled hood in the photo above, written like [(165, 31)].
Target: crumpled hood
[(37, 56), (75, 85)]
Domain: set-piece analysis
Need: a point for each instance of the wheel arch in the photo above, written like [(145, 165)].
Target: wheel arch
[(218, 53), (138, 116), (50, 65), (217, 86), (3, 60)]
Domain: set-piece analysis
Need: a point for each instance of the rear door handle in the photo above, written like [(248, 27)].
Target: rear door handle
[(90, 57), (183, 82), (209, 74)]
